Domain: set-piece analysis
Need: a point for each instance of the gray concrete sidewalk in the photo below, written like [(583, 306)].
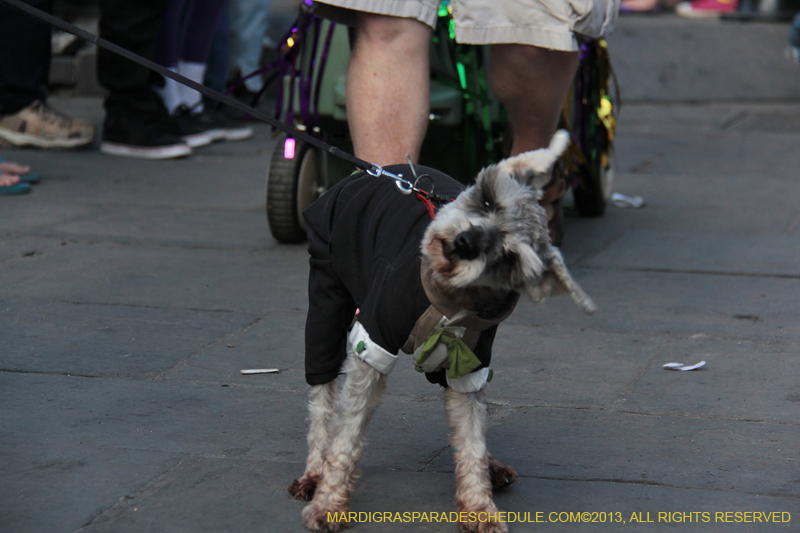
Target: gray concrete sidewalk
[(133, 292)]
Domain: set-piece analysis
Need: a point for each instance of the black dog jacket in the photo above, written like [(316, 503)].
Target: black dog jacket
[(364, 240)]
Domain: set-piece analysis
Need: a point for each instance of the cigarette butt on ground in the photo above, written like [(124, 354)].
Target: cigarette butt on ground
[(260, 371), (681, 366)]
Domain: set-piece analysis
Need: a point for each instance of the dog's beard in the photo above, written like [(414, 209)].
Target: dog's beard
[(447, 269), (501, 267), (485, 285)]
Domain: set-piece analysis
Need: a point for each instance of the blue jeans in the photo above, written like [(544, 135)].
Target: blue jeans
[(249, 20), (218, 57)]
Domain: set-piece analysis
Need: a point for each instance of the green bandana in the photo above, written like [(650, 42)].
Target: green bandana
[(462, 359)]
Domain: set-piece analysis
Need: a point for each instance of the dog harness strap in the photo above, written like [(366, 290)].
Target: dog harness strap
[(359, 344), (422, 329)]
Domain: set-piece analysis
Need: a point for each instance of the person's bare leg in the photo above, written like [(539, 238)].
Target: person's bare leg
[(532, 84), (388, 87)]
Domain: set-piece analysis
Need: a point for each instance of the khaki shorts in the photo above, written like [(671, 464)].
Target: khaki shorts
[(549, 24)]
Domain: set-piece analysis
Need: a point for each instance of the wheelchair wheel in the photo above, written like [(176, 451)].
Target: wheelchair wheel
[(293, 183), (594, 188)]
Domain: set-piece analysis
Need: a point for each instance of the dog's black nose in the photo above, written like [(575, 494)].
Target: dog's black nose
[(465, 245)]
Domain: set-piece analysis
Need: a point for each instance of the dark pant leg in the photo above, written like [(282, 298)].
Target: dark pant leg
[(168, 50), (133, 25), (24, 57), (217, 72), (198, 29)]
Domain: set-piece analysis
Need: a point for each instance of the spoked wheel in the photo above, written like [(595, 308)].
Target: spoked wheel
[(594, 188), (592, 115), (293, 183)]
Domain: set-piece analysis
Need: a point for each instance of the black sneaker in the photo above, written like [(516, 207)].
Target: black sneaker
[(224, 128), (191, 128), (145, 136)]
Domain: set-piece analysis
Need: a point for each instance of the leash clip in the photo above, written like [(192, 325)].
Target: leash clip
[(405, 186)]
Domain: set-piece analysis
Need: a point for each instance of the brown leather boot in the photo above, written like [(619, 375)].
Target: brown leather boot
[(551, 201)]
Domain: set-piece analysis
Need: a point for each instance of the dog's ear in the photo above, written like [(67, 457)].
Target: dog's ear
[(534, 168), (557, 280)]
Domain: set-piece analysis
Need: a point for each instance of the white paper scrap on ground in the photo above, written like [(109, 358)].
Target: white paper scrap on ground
[(621, 200), (260, 371), (681, 366)]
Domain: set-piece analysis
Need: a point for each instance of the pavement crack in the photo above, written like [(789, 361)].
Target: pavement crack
[(516, 405), (642, 371), (45, 373), (792, 225), (635, 482), (622, 481), (432, 459), (694, 271), (143, 306), (101, 240), (735, 120), (151, 487), (161, 376)]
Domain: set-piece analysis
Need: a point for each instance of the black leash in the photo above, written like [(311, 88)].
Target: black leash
[(205, 91), (405, 186)]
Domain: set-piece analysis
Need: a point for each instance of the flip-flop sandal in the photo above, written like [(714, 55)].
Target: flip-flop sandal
[(16, 189), (30, 177)]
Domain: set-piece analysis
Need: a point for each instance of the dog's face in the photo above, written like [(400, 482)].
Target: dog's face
[(494, 234)]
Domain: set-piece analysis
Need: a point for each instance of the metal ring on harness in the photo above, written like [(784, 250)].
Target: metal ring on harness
[(416, 188)]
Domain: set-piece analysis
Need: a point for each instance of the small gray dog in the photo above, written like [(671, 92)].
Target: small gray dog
[(440, 300)]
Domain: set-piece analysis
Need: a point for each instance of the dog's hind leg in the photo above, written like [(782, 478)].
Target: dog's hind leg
[(501, 474), (359, 397), (466, 415), (321, 411)]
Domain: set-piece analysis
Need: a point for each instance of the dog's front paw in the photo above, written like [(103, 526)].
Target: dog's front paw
[(501, 474), (318, 517), (303, 489)]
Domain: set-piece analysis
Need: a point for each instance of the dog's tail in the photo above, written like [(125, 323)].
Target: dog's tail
[(559, 142), (533, 167)]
